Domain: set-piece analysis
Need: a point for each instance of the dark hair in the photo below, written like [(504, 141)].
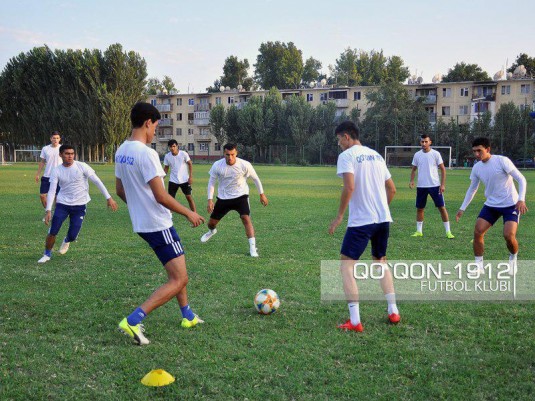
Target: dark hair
[(229, 146), (142, 112), (423, 136), (172, 142), (481, 141), (349, 128), (65, 147), (55, 133)]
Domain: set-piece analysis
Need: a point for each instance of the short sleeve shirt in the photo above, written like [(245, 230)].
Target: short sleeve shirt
[(178, 165), (427, 163), (51, 155)]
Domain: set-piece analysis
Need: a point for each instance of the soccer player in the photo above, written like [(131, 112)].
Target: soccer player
[(426, 161), (139, 183), (368, 190), (232, 193), (503, 200), (71, 201), (181, 175), (49, 159)]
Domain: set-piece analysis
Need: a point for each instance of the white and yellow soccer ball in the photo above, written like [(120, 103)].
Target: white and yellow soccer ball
[(266, 301)]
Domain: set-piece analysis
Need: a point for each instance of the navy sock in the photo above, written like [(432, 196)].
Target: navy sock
[(187, 312), (136, 317), (48, 252)]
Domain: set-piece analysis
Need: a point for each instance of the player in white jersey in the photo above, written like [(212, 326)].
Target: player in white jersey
[(71, 201), (139, 183), (181, 175), (427, 161), (368, 190), (232, 193), (49, 159), (497, 174)]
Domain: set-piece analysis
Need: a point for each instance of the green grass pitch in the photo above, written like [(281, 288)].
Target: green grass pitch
[(58, 337)]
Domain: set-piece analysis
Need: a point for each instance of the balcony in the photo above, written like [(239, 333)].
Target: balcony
[(201, 118), (240, 105), (202, 107), (164, 137), (341, 102), (164, 107), (432, 117), (202, 137), (427, 99), (484, 97), (166, 122)]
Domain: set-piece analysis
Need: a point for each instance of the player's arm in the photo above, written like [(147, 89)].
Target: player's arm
[(413, 174), (102, 188), (252, 174), (390, 190), (470, 193), (210, 193), (442, 177), (40, 167), (166, 169), (190, 172), (522, 187), (349, 187), (166, 200), (119, 189), (51, 195)]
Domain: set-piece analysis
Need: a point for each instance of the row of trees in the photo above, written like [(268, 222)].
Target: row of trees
[(86, 94)]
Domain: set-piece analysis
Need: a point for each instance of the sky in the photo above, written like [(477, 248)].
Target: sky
[(190, 40)]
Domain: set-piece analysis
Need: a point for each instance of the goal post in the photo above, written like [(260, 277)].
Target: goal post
[(27, 155), (402, 155)]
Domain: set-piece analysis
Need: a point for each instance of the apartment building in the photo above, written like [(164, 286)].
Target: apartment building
[(186, 117)]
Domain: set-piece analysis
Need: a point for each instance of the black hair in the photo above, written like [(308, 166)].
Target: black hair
[(229, 146), (65, 147), (481, 141), (55, 133), (172, 142), (142, 112), (424, 136), (349, 128)]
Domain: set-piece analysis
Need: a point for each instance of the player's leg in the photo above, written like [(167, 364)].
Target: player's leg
[(212, 224), (510, 227), (438, 198), (221, 208), (60, 214), (43, 190), (243, 208), (485, 221), (172, 188), (76, 219), (186, 190), (421, 201)]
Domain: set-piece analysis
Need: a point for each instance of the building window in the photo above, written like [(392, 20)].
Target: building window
[(446, 110), (464, 91), (463, 110), (524, 107), (179, 101), (525, 88), (179, 116), (203, 146), (218, 100), (191, 102), (324, 96), (191, 147), (190, 131), (310, 97), (356, 96), (153, 102), (217, 146), (179, 132), (506, 89), (230, 100), (446, 92)]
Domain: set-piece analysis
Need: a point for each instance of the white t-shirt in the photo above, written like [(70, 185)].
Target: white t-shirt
[(73, 181), (178, 164), (369, 203), (500, 189), (51, 156), (427, 163), (233, 179), (135, 165)]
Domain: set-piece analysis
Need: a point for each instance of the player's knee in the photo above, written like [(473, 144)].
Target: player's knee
[(509, 237), (245, 218)]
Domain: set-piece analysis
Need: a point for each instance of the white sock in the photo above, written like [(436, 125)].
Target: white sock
[(479, 263), (252, 242), (354, 313), (513, 257), (391, 301), (419, 226), (447, 226)]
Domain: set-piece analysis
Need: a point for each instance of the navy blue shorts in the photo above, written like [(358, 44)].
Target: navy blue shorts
[(357, 238), (76, 216), (165, 244), (45, 186), (492, 214), (421, 197)]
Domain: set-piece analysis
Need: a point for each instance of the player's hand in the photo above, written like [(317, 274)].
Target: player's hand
[(263, 200), (112, 204), (210, 207), (195, 219), (411, 184), (334, 224), (190, 180), (459, 215), (521, 207), (48, 216), (442, 189), (37, 178)]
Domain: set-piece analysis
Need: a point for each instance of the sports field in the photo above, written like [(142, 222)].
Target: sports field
[(58, 337)]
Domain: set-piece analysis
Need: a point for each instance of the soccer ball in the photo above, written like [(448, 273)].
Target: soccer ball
[(266, 301)]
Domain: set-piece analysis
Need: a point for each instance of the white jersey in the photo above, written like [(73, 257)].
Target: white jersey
[(427, 163), (178, 165), (495, 173), (233, 179), (368, 203), (51, 155), (135, 165), (73, 181)]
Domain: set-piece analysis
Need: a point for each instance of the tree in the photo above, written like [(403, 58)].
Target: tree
[(311, 71), (235, 72), (526, 61), (371, 67), (279, 65), (395, 70), (465, 72), (345, 71), (168, 84), (153, 86), (217, 123), (300, 120)]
